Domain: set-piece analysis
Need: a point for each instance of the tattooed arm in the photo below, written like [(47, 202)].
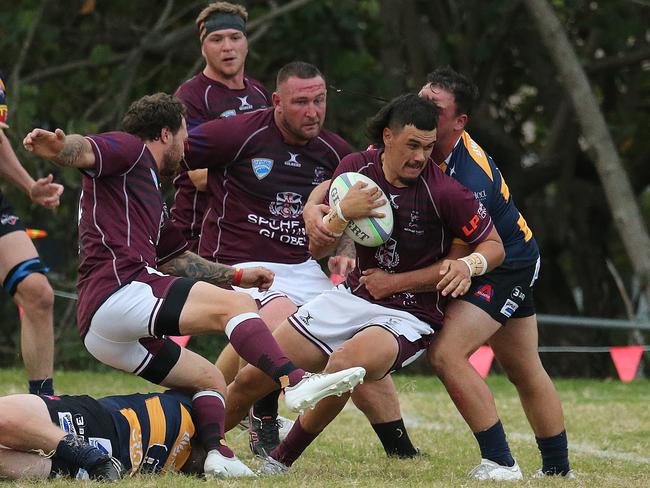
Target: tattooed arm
[(190, 265), (345, 258), (70, 151)]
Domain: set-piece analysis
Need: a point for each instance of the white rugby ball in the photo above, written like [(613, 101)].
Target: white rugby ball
[(369, 231)]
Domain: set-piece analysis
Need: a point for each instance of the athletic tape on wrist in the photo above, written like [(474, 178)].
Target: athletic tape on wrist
[(476, 263), (339, 212)]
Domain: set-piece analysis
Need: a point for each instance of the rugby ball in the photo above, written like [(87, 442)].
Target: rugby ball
[(370, 231)]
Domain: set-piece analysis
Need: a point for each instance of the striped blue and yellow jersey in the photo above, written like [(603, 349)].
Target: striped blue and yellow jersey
[(153, 428), (475, 169)]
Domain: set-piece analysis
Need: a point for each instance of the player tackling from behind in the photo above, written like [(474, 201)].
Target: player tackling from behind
[(347, 325), (128, 299)]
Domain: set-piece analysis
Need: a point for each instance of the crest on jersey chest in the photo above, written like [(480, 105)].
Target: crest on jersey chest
[(261, 167)]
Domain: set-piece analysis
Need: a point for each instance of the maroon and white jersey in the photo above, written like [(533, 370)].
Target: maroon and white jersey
[(258, 186), (427, 216), (123, 223), (205, 100)]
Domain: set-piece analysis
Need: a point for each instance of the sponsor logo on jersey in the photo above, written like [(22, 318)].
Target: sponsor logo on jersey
[(480, 195), (414, 224), (228, 113), (509, 308), (102, 444), (261, 167), (471, 226), (65, 422), (293, 160), (485, 292), (409, 299), (153, 459), (387, 254), (244, 103), (517, 293), (80, 423), (287, 205), (481, 211), (320, 175), (8, 219)]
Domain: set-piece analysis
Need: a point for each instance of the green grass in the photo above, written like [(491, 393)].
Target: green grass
[(608, 424)]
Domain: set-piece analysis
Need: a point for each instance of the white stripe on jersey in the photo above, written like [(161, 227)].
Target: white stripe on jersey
[(117, 277)]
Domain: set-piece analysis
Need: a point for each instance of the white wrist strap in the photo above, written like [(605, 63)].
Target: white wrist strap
[(476, 263), (339, 212)]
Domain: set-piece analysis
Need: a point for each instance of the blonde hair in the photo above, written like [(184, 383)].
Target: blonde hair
[(220, 7)]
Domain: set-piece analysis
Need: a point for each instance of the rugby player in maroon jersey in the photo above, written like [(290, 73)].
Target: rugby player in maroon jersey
[(262, 168), (220, 90), (348, 325)]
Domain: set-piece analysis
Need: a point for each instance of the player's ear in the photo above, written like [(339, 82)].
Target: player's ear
[(387, 136), (461, 122), (275, 99)]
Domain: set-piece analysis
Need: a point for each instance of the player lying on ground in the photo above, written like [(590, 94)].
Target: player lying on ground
[(79, 437)]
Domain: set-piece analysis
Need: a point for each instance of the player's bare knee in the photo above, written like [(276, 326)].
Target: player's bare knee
[(251, 379), (342, 359), (35, 294), (239, 303)]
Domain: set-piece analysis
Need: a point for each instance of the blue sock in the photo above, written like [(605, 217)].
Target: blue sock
[(494, 445), (41, 387), (555, 454)]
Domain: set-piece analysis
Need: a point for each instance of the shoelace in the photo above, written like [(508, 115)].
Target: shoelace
[(268, 431)]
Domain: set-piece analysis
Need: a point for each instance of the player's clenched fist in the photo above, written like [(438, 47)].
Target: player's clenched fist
[(257, 277)]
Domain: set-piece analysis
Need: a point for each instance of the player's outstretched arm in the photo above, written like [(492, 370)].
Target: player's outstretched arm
[(69, 151), (42, 191), (190, 265)]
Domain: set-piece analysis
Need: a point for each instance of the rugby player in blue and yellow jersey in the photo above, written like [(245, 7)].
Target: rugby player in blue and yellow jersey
[(498, 308), (80, 437)]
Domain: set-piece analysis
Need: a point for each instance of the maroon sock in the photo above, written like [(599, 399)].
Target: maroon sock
[(293, 445), (253, 341), (209, 415)]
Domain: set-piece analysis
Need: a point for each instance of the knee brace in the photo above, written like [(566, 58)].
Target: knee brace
[(21, 271)]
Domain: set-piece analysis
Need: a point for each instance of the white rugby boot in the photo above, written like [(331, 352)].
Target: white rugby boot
[(489, 470), (314, 387), (217, 465)]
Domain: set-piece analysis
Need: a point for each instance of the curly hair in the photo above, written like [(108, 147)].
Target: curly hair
[(147, 116)]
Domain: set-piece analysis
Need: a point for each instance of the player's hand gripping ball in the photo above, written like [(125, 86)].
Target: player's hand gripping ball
[(369, 231)]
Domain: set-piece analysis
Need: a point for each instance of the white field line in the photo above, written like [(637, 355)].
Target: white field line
[(578, 447)]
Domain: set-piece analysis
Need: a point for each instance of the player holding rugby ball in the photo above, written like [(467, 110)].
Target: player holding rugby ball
[(346, 326)]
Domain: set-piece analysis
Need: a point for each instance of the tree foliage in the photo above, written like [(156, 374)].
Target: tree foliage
[(77, 64)]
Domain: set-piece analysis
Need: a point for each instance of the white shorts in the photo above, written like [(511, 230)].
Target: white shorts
[(300, 282), (122, 332), (337, 315)]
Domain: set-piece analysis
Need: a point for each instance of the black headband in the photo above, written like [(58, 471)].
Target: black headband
[(221, 21)]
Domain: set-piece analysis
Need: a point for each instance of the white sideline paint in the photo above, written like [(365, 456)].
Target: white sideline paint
[(578, 447)]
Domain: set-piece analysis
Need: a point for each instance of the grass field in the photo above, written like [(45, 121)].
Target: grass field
[(608, 424)]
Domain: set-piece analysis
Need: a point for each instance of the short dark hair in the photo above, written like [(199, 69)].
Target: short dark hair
[(298, 69), (147, 116), (404, 110), (465, 92)]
